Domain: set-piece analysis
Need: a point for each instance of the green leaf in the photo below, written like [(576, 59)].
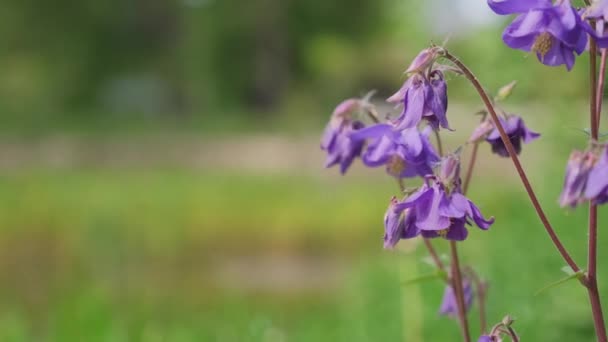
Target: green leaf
[(574, 275), (425, 277)]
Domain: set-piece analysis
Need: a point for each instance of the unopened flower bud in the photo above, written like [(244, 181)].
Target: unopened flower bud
[(449, 171), (424, 60), (508, 320), (505, 91)]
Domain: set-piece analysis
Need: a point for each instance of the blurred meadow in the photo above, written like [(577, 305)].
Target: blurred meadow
[(161, 178)]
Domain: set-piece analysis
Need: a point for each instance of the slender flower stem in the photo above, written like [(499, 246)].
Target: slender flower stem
[(457, 286), (600, 87), (593, 88), (592, 288), (456, 274), (439, 143), (513, 335), (467, 177), (434, 254), (522, 175), (480, 288)]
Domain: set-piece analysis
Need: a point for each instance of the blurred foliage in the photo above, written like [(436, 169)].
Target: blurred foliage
[(221, 58)]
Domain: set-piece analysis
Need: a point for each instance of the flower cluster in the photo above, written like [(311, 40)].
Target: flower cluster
[(437, 209), (402, 145), (586, 177)]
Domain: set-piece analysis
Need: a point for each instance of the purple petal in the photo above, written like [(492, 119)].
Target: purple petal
[(457, 231), (439, 102), (412, 141), (379, 152), (428, 214), (516, 6), (413, 107), (597, 183), (393, 224), (478, 218), (528, 135), (374, 131)]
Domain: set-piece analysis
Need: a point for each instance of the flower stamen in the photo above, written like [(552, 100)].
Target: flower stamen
[(542, 44), (395, 166)]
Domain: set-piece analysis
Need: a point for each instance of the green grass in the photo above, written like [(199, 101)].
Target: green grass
[(146, 256)]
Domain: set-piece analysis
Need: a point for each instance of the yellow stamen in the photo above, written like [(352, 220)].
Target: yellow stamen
[(542, 44), (396, 166), (443, 232)]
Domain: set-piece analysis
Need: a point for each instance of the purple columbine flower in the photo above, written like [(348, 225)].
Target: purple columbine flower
[(577, 173), (596, 189), (449, 304), (553, 32), (438, 208), (514, 127), (397, 224), (422, 98), (336, 141), (485, 338), (405, 153)]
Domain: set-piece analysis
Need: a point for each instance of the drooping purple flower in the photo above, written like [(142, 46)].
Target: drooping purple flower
[(422, 98), (405, 153), (485, 338), (577, 174), (514, 127), (438, 209), (336, 141), (596, 189), (449, 304), (553, 32), (397, 224)]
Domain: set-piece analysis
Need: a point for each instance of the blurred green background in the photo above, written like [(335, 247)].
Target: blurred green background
[(161, 178)]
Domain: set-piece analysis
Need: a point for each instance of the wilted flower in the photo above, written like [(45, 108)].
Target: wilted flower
[(597, 183), (577, 173), (514, 127), (422, 98), (438, 209), (449, 304), (598, 11), (336, 140), (553, 32), (405, 153)]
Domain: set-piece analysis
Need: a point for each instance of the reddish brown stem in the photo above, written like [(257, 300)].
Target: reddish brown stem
[(522, 175), (480, 288), (433, 253), (467, 177), (513, 335), (458, 290), (600, 87), (593, 88), (456, 275), (592, 288)]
